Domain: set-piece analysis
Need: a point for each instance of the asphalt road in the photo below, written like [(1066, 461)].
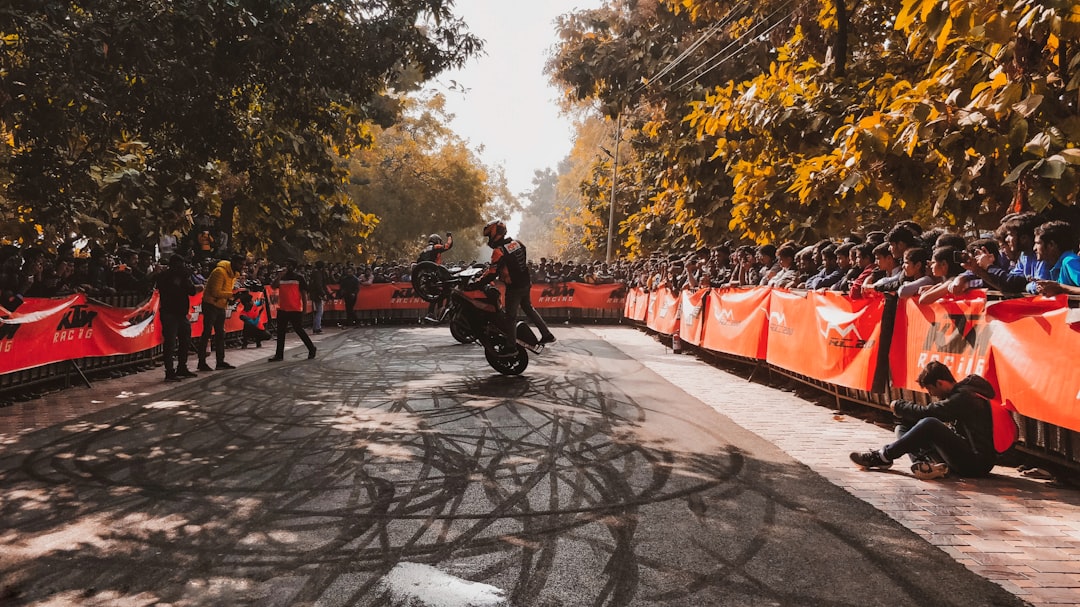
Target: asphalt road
[(397, 469)]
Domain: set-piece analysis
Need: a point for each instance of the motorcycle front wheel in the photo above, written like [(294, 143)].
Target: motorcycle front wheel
[(429, 281)]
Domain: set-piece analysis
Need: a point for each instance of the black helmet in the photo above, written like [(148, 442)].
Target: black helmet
[(434, 239), (494, 231)]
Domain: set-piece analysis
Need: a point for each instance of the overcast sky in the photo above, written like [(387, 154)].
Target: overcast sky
[(509, 108)]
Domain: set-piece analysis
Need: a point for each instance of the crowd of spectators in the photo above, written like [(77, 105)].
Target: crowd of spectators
[(1025, 255)]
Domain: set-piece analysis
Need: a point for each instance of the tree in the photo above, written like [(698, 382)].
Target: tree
[(272, 91), (420, 178), (774, 123)]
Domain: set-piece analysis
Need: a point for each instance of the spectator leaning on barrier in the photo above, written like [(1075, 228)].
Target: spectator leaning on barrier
[(900, 239), (849, 271), (955, 433), (915, 272), (216, 297), (787, 276), (1017, 236), (830, 272), (719, 267), (863, 261), (944, 266), (746, 272), (887, 277), (766, 258), (806, 264), (968, 278), (1055, 245)]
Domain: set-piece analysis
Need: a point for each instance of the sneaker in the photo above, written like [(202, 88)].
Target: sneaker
[(221, 366), (275, 359), (317, 331), (430, 320), (870, 459), (311, 354), (204, 367), (926, 471), (172, 378), (547, 339), (184, 373)]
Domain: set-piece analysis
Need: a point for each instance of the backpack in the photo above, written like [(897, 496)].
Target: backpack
[(1004, 425), (1005, 430)]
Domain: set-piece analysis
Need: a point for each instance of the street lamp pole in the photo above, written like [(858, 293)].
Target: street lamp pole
[(614, 182)]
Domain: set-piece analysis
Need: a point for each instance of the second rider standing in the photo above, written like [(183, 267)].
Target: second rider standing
[(509, 263)]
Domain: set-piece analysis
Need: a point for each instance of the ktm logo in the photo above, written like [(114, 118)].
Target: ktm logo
[(958, 333), (400, 295), (76, 318), (562, 291)]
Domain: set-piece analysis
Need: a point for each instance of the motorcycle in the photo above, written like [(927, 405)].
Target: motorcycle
[(476, 315), (433, 283)]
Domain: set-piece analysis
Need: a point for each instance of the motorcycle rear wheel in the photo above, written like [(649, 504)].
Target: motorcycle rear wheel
[(429, 281), (508, 365)]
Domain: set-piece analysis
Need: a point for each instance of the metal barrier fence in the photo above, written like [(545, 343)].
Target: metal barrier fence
[(66, 373)]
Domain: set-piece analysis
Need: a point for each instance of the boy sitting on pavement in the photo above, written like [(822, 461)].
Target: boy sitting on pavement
[(955, 433)]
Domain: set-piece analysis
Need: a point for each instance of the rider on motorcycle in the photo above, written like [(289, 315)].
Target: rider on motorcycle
[(433, 252), (509, 263), (435, 248)]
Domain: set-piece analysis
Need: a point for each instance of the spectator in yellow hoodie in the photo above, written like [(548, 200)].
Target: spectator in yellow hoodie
[(216, 297)]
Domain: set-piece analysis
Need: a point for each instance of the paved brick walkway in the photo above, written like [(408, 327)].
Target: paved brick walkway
[(1021, 533)]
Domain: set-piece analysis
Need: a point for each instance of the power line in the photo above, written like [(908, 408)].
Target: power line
[(697, 71), (709, 33)]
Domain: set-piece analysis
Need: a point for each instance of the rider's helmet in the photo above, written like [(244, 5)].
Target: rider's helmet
[(434, 239), (494, 231)]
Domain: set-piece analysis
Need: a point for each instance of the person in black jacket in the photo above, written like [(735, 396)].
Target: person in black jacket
[(957, 429), (174, 287)]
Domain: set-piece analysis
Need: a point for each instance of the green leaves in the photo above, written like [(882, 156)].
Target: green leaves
[(269, 89)]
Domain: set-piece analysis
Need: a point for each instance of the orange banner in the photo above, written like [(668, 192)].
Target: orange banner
[(691, 317), (579, 295), (953, 331), (1024, 335), (737, 321), (637, 304), (389, 296), (44, 331), (663, 311), (825, 335)]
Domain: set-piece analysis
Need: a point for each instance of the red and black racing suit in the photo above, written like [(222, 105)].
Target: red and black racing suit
[(509, 263)]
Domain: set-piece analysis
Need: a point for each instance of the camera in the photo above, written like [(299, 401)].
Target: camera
[(960, 256)]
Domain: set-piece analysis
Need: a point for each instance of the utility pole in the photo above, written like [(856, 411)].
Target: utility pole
[(614, 182)]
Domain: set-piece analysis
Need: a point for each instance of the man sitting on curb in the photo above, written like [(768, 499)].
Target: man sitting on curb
[(956, 429)]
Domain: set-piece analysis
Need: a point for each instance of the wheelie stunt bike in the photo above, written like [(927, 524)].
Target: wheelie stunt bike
[(475, 315)]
